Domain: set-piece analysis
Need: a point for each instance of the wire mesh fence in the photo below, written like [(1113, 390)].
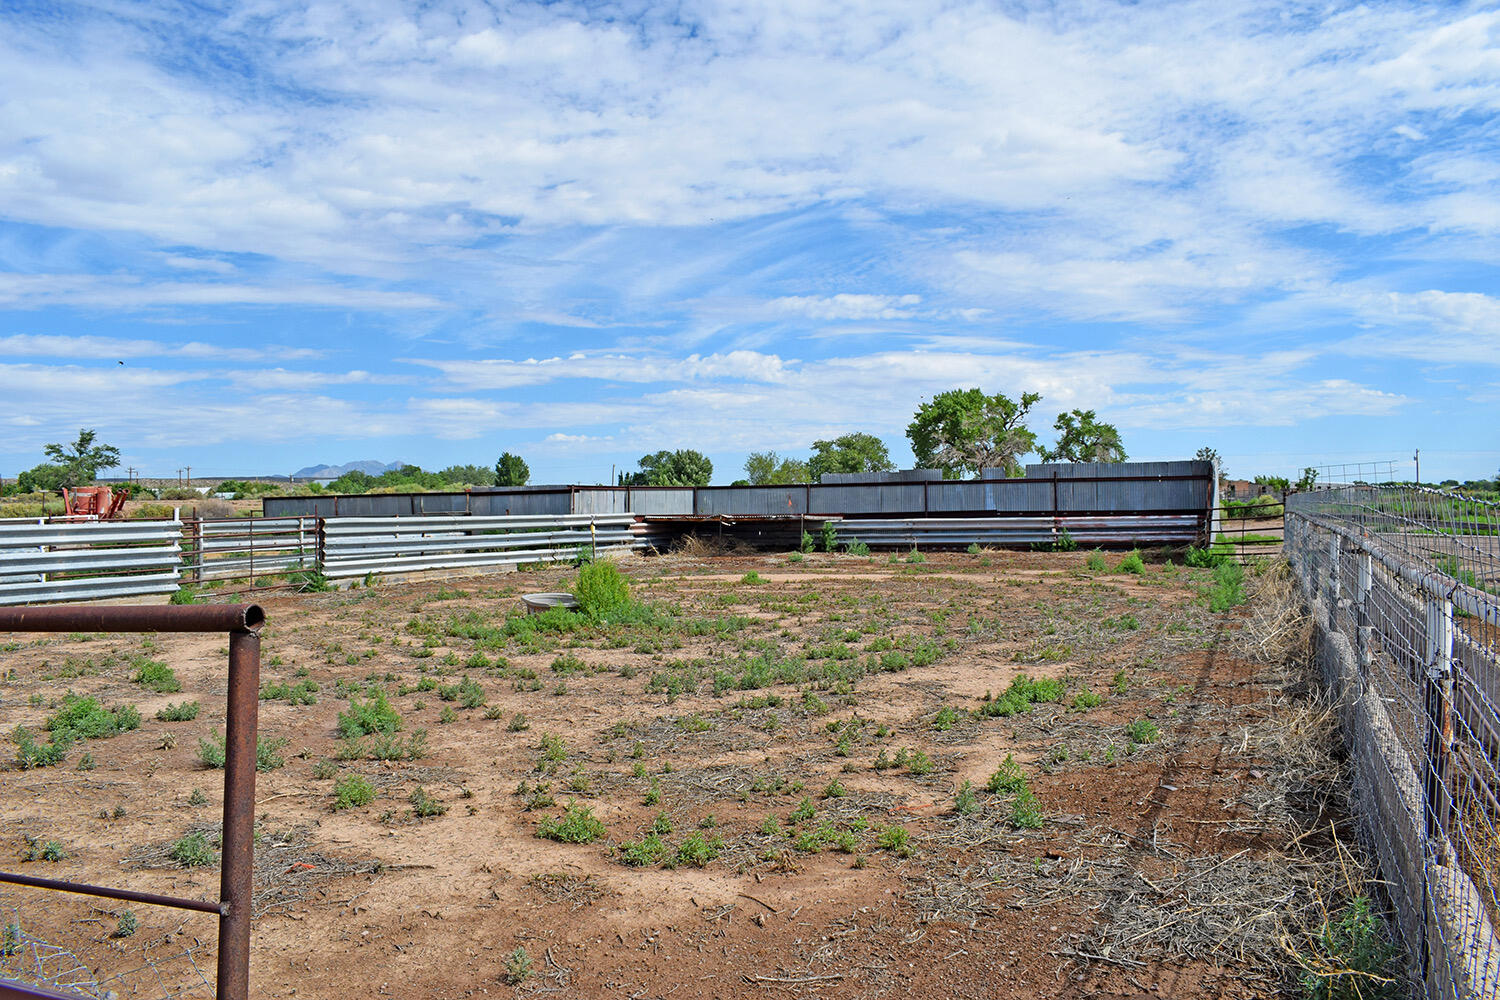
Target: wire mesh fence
[(1404, 589)]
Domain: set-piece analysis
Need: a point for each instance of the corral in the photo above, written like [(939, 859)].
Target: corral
[(986, 774)]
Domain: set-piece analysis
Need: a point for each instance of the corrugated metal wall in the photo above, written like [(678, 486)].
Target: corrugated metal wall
[(1143, 487)]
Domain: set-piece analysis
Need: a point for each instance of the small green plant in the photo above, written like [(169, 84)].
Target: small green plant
[(310, 581), (197, 798), (186, 712), (1121, 682), (753, 579), (31, 754), (42, 850), (1143, 731), (965, 802), (1350, 958), (1064, 542), (1095, 562), (518, 723), (213, 753), (974, 549), (1085, 700), (10, 942), (517, 966), (1008, 777), (808, 543), (834, 790), (643, 853), (857, 548), (553, 747), (1026, 811), (352, 791), (423, 805), (1228, 588), (577, 825), (126, 925), (1131, 563), (374, 715), (915, 557), (86, 762), (796, 556), (805, 811), (896, 839), (601, 590), (945, 718), (156, 676), (830, 536), (192, 851), (696, 850), (85, 719), (183, 595)]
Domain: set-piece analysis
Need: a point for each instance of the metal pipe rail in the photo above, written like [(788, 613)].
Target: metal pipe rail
[(241, 621)]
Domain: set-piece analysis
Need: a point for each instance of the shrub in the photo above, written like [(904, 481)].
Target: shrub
[(945, 718), (752, 578), (183, 595), (1132, 563), (965, 803), (1095, 562), (424, 805), (1143, 731), (807, 544), (517, 966), (192, 851), (351, 791), (1228, 588), (85, 719), (973, 549), (576, 826), (1065, 542), (1085, 700), (601, 590), (915, 557), (697, 850), (375, 715), (126, 925), (1026, 811), (214, 753), (1350, 959), (1204, 558), (857, 548), (1008, 777), (830, 537), (30, 754), (895, 839), (643, 853)]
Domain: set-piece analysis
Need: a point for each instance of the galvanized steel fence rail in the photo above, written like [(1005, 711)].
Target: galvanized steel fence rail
[(354, 546), (1406, 599), (59, 560), (243, 547)]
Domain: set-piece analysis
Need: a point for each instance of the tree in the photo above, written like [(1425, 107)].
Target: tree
[(1207, 454), (468, 475), (963, 430), (766, 468), (78, 463), (1083, 438), (854, 452), (684, 467), (511, 470), (1281, 483), (1309, 479)]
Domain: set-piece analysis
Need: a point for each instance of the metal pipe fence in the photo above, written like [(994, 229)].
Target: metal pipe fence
[(1402, 585), (241, 622), (61, 560)]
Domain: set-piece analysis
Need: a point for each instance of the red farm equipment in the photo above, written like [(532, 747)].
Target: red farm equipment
[(93, 501)]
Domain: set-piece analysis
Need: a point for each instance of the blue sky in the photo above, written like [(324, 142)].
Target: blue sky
[(317, 232)]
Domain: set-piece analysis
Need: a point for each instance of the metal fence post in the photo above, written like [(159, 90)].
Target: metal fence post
[(1438, 702), (1362, 644), (197, 550), (1333, 582), (235, 883)]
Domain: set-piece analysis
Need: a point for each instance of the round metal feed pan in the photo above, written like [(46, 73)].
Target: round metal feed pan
[(537, 603)]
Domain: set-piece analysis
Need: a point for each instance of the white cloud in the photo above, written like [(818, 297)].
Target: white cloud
[(847, 306), (494, 373), (62, 346)]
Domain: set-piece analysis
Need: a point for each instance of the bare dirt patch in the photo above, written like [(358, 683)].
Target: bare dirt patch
[(779, 768)]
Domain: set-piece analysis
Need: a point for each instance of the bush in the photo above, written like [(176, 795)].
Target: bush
[(30, 754), (601, 590), (807, 544), (192, 851), (374, 715), (351, 791), (697, 850), (1205, 558), (1143, 731), (1008, 778), (1065, 542), (186, 712), (183, 595), (857, 548), (424, 805), (1351, 959), (576, 826), (1026, 811), (1132, 563), (213, 508), (830, 535), (1095, 562), (152, 512), (1228, 587), (85, 719), (156, 675)]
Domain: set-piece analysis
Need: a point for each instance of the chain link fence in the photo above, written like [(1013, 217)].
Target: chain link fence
[(1404, 584)]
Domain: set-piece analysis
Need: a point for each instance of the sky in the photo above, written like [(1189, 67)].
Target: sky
[(250, 237)]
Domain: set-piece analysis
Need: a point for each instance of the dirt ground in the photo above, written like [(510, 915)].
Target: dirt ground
[(798, 740)]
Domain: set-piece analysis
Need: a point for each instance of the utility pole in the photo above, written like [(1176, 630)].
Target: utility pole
[(1416, 456), (190, 475), (179, 477)]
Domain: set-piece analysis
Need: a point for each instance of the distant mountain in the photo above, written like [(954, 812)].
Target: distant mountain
[(368, 466)]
